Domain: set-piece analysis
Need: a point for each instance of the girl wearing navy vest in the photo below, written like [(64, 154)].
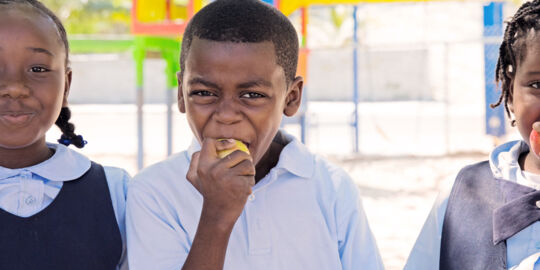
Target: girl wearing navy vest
[(489, 219), (58, 210)]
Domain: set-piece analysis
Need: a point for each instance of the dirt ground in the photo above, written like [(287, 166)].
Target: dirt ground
[(398, 194)]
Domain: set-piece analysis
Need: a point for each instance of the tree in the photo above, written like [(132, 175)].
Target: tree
[(93, 16)]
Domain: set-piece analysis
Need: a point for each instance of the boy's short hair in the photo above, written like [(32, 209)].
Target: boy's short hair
[(245, 21)]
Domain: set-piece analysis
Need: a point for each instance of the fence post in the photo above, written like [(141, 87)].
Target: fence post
[(356, 119)]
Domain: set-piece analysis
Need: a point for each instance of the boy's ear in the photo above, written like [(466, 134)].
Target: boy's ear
[(67, 86), (294, 96), (181, 104)]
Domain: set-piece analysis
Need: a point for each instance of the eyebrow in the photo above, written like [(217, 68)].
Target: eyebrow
[(255, 83), (203, 82), (241, 85), (40, 50)]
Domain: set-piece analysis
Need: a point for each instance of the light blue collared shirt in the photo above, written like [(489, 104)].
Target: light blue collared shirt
[(521, 248), (305, 214), (26, 191)]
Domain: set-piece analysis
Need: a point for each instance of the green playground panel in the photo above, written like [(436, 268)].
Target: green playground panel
[(169, 48), (87, 45)]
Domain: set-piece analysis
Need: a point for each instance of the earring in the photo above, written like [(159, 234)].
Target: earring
[(513, 122)]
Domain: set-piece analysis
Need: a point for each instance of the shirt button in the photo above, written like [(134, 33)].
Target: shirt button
[(251, 197), (30, 200), (538, 204)]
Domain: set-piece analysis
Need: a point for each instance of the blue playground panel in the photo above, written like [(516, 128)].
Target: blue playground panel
[(493, 31)]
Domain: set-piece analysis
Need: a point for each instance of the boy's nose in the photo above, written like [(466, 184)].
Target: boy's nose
[(227, 112)]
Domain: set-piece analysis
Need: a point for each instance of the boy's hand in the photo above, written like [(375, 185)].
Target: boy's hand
[(225, 184)]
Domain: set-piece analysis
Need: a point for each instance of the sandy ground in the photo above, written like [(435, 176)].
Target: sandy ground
[(397, 190), (398, 194)]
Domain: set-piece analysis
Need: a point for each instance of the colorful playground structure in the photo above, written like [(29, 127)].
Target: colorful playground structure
[(158, 26)]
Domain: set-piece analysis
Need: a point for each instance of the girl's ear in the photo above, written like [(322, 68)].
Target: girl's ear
[(67, 86), (510, 101), (294, 97)]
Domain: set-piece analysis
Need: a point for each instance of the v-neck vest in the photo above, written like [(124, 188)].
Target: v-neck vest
[(78, 230), (467, 234)]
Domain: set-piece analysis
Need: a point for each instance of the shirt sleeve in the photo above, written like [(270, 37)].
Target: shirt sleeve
[(426, 252), (117, 180), (357, 246), (153, 239)]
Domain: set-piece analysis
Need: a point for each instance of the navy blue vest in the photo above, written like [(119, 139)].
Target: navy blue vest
[(78, 230), (467, 234)]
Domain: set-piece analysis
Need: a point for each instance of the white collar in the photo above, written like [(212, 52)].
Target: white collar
[(65, 165)]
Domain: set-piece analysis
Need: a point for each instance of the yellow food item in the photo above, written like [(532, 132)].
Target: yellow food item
[(238, 146)]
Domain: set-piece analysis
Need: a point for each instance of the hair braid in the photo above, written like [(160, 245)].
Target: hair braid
[(68, 130), (513, 48)]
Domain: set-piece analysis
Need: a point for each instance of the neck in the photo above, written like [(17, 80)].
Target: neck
[(271, 157), (25, 156), (529, 163)]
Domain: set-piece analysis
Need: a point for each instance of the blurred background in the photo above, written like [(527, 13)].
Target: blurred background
[(396, 92)]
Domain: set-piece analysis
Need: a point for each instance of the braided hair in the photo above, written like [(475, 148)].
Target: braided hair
[(68, 135), (513, 49)]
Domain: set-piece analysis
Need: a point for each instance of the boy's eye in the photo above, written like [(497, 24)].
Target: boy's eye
[(38, 69), (535, 85), (202, 93), (252, 95)]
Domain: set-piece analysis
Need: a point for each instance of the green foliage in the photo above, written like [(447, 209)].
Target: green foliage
[(93, 16)]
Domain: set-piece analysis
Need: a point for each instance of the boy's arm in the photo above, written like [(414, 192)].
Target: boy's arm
[(225, 185), (357, 246)]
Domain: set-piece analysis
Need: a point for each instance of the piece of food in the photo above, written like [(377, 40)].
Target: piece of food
[(534, 140), (238, 146)]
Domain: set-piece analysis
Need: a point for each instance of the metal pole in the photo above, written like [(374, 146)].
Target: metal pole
[(355, 82), (140, 138), (139, 54), (170, 93), (446, 101), (303, 117)]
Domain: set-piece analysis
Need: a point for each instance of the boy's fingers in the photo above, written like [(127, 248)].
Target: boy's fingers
[(245, 168), (235, 158), (208, 148), (192, 175)]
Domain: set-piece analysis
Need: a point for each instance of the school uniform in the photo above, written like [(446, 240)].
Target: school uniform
[(64, 213), (483, 218), (304, 214)]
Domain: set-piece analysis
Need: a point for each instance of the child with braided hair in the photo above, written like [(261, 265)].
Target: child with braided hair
[(58, 209), (490, 218)]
